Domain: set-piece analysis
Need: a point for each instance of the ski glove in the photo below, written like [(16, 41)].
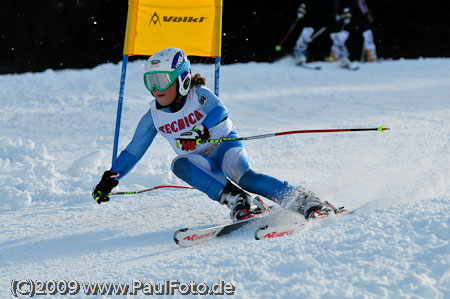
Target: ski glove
[(107, 183), (188, 140), (301, 11)]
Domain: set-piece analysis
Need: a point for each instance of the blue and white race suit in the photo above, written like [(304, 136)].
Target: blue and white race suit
[(208, 166)]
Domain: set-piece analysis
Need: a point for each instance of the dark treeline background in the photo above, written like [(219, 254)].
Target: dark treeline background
[(37, 35)]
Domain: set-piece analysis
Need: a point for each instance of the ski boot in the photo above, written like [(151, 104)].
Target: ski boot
[(241, 204), (299, 56), (371, 56), (343, 57), (309, 205), (333, 57)]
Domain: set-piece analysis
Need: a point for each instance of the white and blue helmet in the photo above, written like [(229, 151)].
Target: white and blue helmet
[(164, 67)]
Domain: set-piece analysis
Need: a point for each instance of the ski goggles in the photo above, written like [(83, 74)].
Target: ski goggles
[(161, 79)]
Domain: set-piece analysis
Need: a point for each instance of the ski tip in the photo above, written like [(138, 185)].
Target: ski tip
[(309, 67), (351, 68), (175, 235), (382, 129), (258, 230)]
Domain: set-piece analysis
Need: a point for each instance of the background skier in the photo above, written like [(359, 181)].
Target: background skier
[(361, 22), (318, 14)]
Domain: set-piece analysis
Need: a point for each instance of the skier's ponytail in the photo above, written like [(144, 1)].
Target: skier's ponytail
[(198, 80)]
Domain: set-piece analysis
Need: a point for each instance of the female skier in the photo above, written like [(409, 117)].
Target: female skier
[(184, 112)]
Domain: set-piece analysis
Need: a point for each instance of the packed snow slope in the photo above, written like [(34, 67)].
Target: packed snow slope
[(57, 131)]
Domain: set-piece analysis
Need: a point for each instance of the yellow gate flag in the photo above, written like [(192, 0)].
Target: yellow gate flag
[(195, 26)]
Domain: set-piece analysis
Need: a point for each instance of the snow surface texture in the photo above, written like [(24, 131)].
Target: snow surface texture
[(57, 138)]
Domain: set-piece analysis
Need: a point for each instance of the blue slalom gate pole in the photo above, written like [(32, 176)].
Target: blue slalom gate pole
[(216, 76), (119, 106)]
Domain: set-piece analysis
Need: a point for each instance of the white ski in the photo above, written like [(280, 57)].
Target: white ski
[(276, 231), (187, 237)]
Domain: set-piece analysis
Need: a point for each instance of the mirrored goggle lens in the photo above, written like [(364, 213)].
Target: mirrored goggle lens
[(160, 81)]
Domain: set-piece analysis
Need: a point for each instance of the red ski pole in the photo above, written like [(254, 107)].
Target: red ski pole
[(278, 47), (380, 129)]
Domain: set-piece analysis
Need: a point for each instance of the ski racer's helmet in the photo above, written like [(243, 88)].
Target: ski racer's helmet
[(164, 67)]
